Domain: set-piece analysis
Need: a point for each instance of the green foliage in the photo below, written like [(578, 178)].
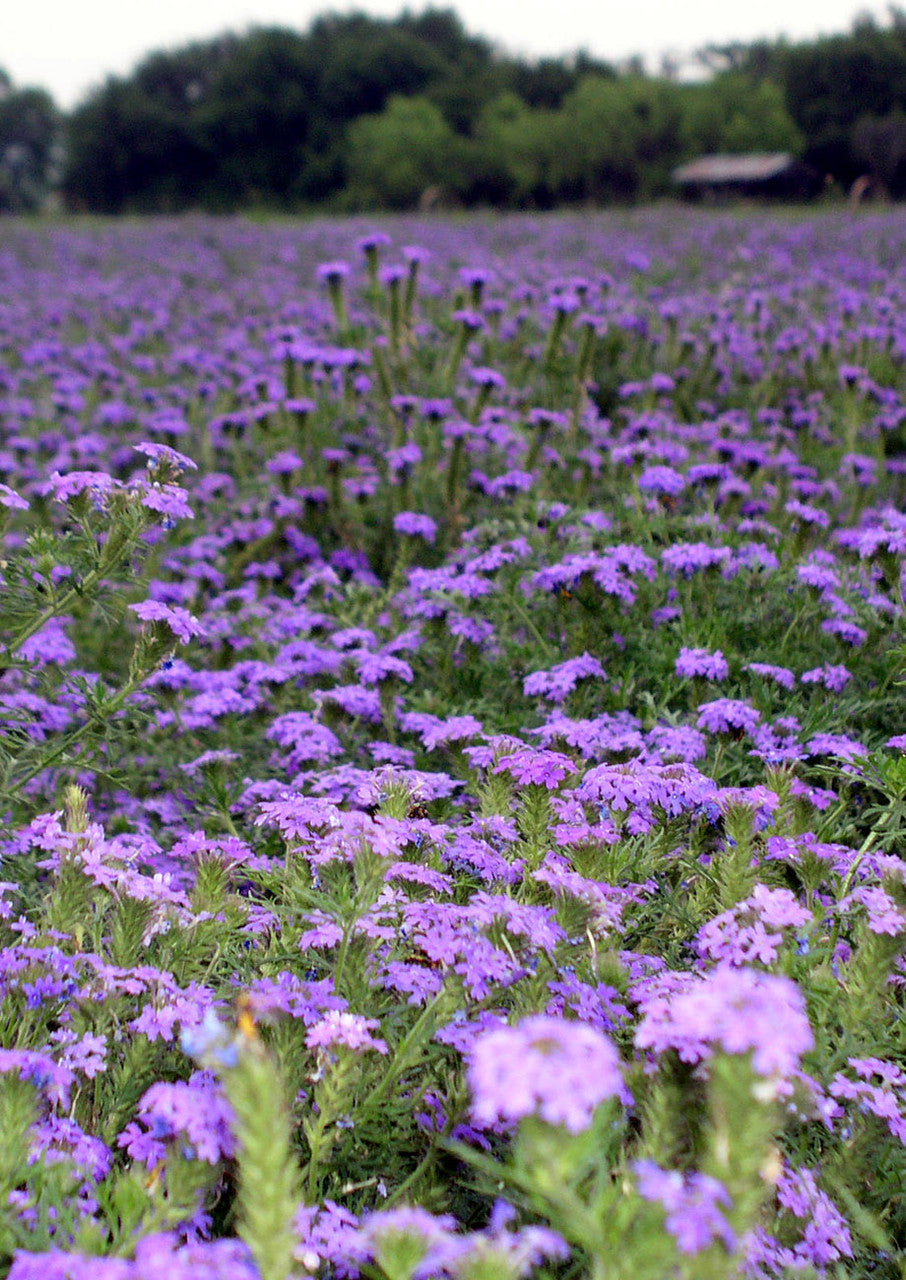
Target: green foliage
[(516, 147), (30, 132), (261, 118), (366, 111), (100, 546), (393, 157), (269, 1182), (618, 138), (830, 83), (736, 112)]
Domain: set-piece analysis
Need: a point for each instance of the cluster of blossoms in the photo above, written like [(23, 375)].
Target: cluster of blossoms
[(557, 1070)]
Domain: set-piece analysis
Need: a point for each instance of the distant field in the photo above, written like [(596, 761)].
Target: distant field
[(452, 746)]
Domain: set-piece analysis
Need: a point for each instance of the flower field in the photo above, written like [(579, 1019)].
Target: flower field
[(453, 748)]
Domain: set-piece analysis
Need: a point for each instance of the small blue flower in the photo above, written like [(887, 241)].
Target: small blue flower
[(211, 1042)]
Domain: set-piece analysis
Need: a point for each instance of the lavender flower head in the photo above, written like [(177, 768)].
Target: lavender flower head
[(410, 1241), (727, 715), (539, 768), (183, 624), (560, 1071), (702, 662), (738, 1011), (331, 272), (159, 455), (339, 1029), (415, 525), (693, 1204)]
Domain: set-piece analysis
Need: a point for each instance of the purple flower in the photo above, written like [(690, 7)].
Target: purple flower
[(415, 525), (640, 790), (779, 675), (750, 932), (727, 715), (162, 453), (694, 1205), (182, 623), (52, 1079), (50, 644), (883, 914), (196, 1110), (331, 272), (329, 1234), (305, 736), (348, 1030), (484, 377), (410, 1241), (833, 678), (97, 484), (560, 1071), (848, 632), (688, 558), (374, 667), (169, 500), (702, 662), (885, 1098), (739, 1011), (372, 241), (810, 1214), (530, 766), (435, 732), (835, 744), (662, 480), (11, 500), (560, 680), (807, 515)]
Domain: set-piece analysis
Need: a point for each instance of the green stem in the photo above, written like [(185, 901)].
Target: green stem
[(460, 342), (314, 1150), (398, 1065), (72, 739), (62, 603), (341, 958), (411, 1179), (552, 345), (863, 850), (453, 474), (526, 617)]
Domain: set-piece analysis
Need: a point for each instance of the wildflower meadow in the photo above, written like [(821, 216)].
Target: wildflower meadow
[(453, 748)]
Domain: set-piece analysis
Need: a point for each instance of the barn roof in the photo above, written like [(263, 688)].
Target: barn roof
[(754, 167)]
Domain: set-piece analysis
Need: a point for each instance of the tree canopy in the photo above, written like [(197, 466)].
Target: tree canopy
[(30, 154), (360, 111)]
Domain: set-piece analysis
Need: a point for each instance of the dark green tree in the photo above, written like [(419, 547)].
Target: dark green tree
[(734, 112), (618, 138), (880, 143), (830, 83), (30, 153), (135, 143), (262, 118), (515, 154), (255, 121)]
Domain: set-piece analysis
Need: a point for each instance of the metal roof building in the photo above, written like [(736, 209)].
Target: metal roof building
[(773, 173)]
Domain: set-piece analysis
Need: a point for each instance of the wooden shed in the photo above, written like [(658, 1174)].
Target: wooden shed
[(756, 175)]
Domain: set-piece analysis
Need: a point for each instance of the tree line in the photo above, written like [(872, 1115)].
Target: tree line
[(362, 112)]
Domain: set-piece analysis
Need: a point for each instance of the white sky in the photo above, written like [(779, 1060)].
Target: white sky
[(67, 46)]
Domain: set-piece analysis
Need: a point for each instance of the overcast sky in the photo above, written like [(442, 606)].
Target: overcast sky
[(67, 46)]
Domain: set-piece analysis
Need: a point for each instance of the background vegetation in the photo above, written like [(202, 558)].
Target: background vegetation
[(368, 112)]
